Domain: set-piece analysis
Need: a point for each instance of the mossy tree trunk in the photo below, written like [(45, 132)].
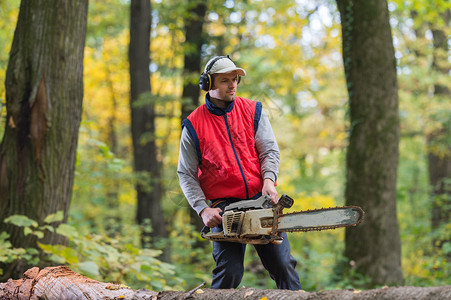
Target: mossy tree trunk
[(374, 247), (194, 21), (44, 92)]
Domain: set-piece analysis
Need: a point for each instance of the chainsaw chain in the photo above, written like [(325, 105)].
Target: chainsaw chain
[(319, 228)]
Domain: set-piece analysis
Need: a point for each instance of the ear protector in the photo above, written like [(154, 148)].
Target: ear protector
[(206, 80)]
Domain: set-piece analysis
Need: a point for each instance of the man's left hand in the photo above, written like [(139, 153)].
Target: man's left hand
[(270, 189)]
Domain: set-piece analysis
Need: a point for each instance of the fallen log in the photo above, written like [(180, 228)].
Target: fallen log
[(389, 293), (62, 283)]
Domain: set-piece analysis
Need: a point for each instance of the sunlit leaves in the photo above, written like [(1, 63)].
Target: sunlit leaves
[(89, 268), (7, 252), (107, 259), (56, 217), (22, 221)]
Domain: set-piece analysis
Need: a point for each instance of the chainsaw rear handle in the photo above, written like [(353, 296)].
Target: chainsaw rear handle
[(206, 229)]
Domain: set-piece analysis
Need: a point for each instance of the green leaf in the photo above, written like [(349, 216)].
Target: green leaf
[(48, 227), (56, 217), (4, 236), (131, 249), (57, 259), (446, 248), (47, 247), (61, 253), (89, 268), (67, 230), (32, 251), (22, 221), (37, 233), (27, 231)]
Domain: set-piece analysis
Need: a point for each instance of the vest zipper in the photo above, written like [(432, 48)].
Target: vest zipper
[(236, 156)]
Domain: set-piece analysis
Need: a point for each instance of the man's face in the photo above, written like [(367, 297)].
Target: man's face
[(224, 86)]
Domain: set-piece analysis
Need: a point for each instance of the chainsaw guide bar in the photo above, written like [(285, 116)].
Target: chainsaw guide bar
[(257, 222)]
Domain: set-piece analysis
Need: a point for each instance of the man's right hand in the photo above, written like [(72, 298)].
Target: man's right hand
[(211, 216)]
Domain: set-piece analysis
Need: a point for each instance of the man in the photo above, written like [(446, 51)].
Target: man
[(228, 152)]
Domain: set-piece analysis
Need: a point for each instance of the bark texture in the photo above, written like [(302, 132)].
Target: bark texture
[(62, 283), (439, 162), (194, 21), (374, 247), (44, 92), (146, 164)]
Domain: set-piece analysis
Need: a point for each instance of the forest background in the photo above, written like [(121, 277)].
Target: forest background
[(292, 53)]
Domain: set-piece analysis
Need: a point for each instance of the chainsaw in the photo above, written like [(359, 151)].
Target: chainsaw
[(258, 222)]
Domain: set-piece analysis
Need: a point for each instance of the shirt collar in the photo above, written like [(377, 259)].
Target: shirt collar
[(215, 109)]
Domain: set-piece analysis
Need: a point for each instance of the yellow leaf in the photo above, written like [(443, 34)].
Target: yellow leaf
[(356, 291), (199, 291), (323, 133)]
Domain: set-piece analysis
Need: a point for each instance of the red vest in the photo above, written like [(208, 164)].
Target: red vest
[(228, 160)]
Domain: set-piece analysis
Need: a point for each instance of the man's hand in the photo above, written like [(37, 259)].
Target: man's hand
[(210, 216), (270, 189)]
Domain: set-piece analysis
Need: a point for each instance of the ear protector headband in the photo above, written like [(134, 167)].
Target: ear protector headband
[(206, 80)]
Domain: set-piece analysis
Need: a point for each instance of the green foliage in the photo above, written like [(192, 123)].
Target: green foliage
[(56, 217), (21, 221), (7, 252), (107, 259), (29, 226), (347, 277), (96, 256), (190, 253)]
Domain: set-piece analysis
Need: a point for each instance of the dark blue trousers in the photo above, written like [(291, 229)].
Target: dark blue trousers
[(229, 258), (277, 259)]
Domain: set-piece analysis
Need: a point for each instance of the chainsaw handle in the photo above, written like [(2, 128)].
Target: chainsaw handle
[(206, 229)]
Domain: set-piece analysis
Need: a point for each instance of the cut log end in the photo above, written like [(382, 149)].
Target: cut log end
[(63, 283)]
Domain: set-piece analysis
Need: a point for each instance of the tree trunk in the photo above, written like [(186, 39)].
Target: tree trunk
[(146, 164), (44, 93), (440, 159), (191, 92), (112, 220), (62, 283), (193, 46), (374, 247)]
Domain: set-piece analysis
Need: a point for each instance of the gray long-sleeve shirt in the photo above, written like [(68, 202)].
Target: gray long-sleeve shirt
[(187, 170)]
